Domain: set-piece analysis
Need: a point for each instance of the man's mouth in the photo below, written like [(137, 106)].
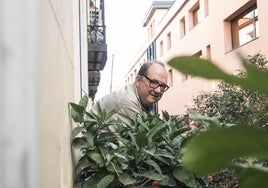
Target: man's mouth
[(155, 96)]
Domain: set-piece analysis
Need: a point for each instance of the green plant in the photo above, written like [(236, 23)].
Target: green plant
[(233, 104), (145, 153), (220, 147)]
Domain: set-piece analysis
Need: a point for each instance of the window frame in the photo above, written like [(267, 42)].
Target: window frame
[(236, 27)]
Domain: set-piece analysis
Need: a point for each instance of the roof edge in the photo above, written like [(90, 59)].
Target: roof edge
[(156, 5)]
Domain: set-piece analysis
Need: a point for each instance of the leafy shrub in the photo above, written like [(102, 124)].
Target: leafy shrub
[(145, 154), (236, 105), (219, 147)]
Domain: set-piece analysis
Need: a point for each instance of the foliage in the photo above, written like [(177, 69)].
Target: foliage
[(218, 146), (235, 105), (146, 153)]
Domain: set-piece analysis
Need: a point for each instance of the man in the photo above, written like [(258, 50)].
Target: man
[(140, 96)]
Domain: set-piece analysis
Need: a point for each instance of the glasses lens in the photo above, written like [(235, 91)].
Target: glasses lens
[(163, 88), (154, 84)]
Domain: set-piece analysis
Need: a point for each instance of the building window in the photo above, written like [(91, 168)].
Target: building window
[(182, 27), (245, 27), (208, 51), (161, 48), (150, 32), (170, 78), (151, 51), (168, 40), (184, 77), (198, 54), (196, 14), (206, 8)]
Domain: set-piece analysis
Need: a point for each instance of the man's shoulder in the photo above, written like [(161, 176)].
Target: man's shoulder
[(126, 92)]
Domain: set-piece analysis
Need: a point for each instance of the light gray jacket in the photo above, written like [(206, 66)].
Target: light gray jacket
[(125, 100)]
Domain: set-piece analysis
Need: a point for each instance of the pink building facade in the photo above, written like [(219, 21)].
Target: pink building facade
[(215, 30)]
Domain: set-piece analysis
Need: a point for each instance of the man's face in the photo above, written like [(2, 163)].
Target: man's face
[(156, 75)]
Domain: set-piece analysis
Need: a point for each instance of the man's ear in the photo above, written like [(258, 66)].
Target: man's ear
[(138, 78)]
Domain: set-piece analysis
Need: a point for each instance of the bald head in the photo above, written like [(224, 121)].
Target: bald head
[(144, 68)]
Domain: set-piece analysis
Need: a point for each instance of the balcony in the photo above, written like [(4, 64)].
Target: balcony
[(93, 78), (97, 47)]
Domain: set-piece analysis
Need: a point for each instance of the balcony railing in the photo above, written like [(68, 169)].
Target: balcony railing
[(97, 48)]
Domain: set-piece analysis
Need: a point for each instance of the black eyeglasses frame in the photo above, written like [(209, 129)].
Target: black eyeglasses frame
[(155, 84)]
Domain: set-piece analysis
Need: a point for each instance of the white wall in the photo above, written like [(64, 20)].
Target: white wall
[(18, 116), (43, 67)]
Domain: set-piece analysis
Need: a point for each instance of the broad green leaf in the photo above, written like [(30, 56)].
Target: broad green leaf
[(76, 116), (198, 67), (255, 80), (76, 131), (169, 181), (78, 108), (121, 156), (90, 139), (141, 139), (104, 182), (105, 152), (84, 101), (113, 167), (106, 137), (154, 164), (126, 179), (150, 151), (93, 181), (77, 112), (89, 184), (111, 113), (252, 177), (133, 139), (217, 147), (155, 131), (164, 153), (143, 124), (212, 121), (79, 142), (185, 176), (96, 157), (82, 163), (165, 115), (152, 175), (179, 132), (162, 159)]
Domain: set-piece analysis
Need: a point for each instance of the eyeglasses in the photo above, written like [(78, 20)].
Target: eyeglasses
[(155, 84)]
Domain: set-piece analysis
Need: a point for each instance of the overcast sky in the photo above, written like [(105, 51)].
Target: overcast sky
[(124, 37)]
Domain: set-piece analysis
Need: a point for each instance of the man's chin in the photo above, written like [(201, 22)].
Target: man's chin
[(154, 101)]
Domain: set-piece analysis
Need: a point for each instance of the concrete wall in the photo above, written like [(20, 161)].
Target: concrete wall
[(62, 79), (43, 67), (56, 89)]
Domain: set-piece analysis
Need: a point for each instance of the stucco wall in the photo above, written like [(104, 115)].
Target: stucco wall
[(56, 89)]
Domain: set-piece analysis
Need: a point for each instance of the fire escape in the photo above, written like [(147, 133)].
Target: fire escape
[(97, 47)]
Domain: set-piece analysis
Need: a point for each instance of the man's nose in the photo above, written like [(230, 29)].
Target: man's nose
[(158, 89)]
